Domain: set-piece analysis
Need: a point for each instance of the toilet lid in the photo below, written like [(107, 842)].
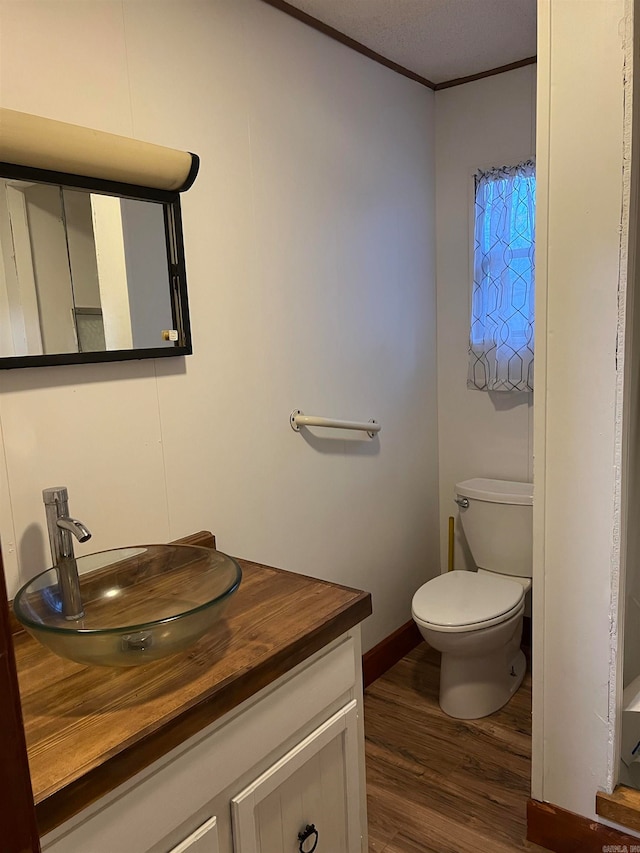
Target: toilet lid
[(464, 598)]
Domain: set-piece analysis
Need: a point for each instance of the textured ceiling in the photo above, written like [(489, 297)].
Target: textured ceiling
[(437, 39)]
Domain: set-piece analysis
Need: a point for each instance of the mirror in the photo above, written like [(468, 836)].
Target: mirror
[(89, 271)]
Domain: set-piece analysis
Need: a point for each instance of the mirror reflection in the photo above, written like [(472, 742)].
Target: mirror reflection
[(83, 272)]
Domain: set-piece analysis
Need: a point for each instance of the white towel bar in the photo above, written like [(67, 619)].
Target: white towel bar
[(297, 419)]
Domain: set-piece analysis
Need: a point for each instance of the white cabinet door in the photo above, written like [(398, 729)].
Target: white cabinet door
[(203, 840), (317, 782)]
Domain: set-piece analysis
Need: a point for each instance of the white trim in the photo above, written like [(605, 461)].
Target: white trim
[(543, 118), (624, 391)]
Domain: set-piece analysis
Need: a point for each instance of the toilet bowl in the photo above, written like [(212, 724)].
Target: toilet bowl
[(475, 618)]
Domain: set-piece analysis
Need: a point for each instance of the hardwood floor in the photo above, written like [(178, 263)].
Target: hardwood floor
[(438, 785)]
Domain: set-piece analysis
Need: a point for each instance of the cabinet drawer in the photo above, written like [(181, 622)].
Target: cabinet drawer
[(203, 840), (312, 786)]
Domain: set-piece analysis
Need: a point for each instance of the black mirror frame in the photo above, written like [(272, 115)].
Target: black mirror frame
[(175, 257)]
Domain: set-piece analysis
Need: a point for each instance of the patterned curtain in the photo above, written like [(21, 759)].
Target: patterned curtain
[(502, 323)]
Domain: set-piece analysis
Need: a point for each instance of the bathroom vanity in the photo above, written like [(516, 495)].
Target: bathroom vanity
[(236, 746)]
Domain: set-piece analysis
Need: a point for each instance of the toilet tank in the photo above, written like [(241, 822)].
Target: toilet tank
[(498, 524)]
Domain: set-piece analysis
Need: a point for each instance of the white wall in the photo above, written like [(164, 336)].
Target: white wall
[(147, 272), (106, 215), (310, 259), (82, 249), (490, 122), (51, 268), (579, 390)]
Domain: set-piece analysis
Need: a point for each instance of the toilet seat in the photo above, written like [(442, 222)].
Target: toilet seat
[(466, 601)]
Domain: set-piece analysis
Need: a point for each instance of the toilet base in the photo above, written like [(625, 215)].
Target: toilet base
[(475, 687), (480, 669)]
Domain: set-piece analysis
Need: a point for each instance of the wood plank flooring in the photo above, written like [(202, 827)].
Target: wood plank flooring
[(438, 785)]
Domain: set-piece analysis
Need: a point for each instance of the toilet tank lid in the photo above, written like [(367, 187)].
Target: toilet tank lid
[(496, 491)]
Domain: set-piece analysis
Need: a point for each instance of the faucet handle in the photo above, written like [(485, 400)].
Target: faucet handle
[(55, 495)]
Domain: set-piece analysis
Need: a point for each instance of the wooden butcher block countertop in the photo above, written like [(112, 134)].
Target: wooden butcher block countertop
[(89, 729)]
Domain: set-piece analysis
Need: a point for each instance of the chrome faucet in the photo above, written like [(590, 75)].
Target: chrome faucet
[(60, 526)]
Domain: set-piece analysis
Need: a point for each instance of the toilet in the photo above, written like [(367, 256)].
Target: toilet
[(475, 618)]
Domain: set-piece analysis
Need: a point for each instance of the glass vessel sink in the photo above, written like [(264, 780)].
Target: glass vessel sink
[(140, 603)]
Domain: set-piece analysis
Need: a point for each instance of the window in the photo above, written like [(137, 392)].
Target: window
[(502, 322)]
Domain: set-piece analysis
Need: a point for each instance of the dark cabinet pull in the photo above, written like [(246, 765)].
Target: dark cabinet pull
[(309, 831)]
